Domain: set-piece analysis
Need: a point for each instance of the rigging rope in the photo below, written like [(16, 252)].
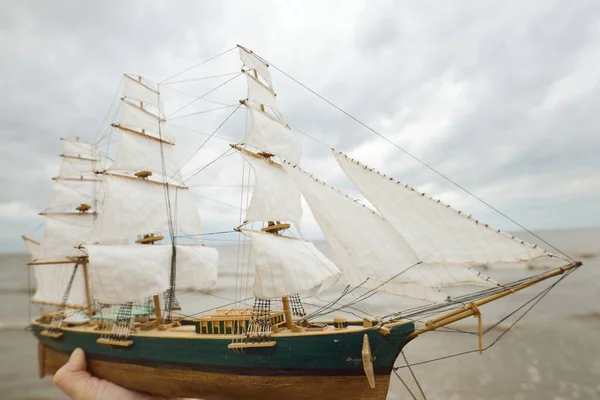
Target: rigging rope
[(202, 78), (414, 157), (207, 139), (414, 376), (535, 299), (199, 64), (202, 96)]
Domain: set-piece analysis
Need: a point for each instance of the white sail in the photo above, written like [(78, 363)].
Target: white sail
[(136, 207), (77, 168), (126, 273), (120, 274), (72, 192), (370, 252), (275, 196), (435, 231), (259, 93), (142, 153), (139, 120), (31, 246), (77, 149), (250, 60), (136, 90), (64, 231), (285, 266), (196, 267), (272, 137), (52, 281)]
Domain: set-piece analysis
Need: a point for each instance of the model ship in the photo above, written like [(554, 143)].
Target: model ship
[(110, 263)]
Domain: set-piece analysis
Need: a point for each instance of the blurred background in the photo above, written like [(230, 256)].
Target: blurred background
[(501, 97)]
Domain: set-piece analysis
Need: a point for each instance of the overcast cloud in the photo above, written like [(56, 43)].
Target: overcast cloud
[(503, 97)]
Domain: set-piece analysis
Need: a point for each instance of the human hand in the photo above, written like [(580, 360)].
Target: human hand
[(74, 380)]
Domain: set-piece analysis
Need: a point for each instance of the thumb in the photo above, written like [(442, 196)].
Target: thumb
[(73, 378)]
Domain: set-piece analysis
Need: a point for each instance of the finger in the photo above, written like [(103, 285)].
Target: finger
[(73, 378)]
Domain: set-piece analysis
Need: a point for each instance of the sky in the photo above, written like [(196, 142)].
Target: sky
[(502, 97)]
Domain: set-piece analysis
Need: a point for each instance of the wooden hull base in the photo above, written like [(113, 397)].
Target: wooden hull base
[(211, 386)]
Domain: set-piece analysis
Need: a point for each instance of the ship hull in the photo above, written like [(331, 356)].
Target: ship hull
[(298, 367)]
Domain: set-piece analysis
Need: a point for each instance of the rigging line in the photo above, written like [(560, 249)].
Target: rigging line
[(200, 132), (202, 96), (204, 111), (218, 201), (205, 234), (538, 296), (405, 385), (207, 139), (414, 376), (115, 97), (193, 95), (373, 291), (199, 64), (416, 158), (202, 78), (223, 155)]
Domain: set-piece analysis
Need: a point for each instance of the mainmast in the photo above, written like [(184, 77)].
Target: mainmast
[(276, 201)]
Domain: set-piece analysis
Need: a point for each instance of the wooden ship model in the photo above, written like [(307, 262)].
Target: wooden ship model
[(109, 265)]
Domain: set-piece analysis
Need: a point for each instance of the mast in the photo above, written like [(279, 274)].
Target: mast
[(144, 198), (68, 222), (276, 201)]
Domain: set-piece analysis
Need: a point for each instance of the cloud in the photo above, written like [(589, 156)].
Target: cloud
[(502, 99)]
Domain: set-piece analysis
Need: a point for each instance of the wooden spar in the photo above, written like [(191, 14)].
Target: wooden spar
[(29, 240), (143, 109), (253, 154), (67, 213), (58, 178), (53, 262), (51, 303), (88, 295), (124, 128), (142, 180), (471, 309), (139, 81), (79, 158)]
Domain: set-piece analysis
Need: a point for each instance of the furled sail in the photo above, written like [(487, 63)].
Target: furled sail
[(250, 60), (136, 207), (285, 266), (259, 93), (370, 252), (123, 273), (275, 196), (271, 136), (435, 231), (144, 153), (64, 231)]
